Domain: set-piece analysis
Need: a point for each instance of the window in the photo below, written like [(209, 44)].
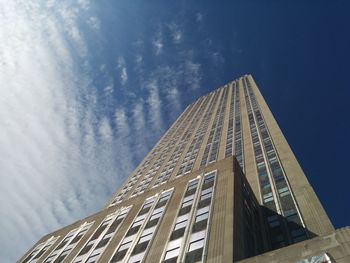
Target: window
[(157, 213), (284, 191), (136, 258), (209, 177), (181, 222), (92, 258), (188, 200), (148, 203), (173, 248), (191, 185), (202, 214), (126, 242), (139, 220), (268, 197), (165, 196), (197, 240), (206, 193), (147, 234)]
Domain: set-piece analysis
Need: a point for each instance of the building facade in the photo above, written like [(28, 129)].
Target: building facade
[(221, 185)]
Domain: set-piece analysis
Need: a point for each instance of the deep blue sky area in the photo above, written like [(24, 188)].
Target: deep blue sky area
[(88, 88)]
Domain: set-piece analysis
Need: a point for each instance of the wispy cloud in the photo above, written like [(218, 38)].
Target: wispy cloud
[(193, 74), (69, 17), (94, 23), (61, 124), (84, 4), (173, 95), (122, 70), (176, 32), (139, 126), (217, 59), (138, 59), (138, 116), (51, 131), (155, 104), (199, 17), (158, 42), (121, 122), (105, 129)]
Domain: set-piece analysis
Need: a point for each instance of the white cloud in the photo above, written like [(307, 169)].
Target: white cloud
[(173, 96), (176, 33), (85, 4), (121, 122), (124, 76), (94, 23), (55, 137), (122, 69), (50, 152), (69, 16), (158, 42), (138, 116), (105, 129), (154, 103), (108, 90), (193, 74)]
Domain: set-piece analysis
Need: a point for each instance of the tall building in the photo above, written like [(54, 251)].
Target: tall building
[(221, 185)]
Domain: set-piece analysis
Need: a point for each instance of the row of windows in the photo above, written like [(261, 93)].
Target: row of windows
[(193, 214), (271, 176), (145, 182), (164, 146), (192, 152), (213, 143), (188, 237), (68, 244), (166, 173), (275, 228), (133, 246), (234, 140), (39, 250), (172, 162), (96, 245)]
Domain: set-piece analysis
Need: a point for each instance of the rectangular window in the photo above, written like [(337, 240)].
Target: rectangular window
[(147, 234), (268, 197), (209, 177), (207, 193), (126, 242), (283, 191), (173, 249), (202, 214), (181, 222), (197, 240)]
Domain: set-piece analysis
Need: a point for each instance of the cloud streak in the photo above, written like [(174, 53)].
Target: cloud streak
[(53, 140), (71, 130), (176, 33), (158, 42), (122, 69)]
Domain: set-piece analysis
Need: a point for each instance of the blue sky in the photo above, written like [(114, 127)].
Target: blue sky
[(88, 87)]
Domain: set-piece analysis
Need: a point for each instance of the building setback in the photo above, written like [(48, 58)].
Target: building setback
[(221, 185)]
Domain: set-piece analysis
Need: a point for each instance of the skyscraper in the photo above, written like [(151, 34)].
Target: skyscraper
[(221, 185)]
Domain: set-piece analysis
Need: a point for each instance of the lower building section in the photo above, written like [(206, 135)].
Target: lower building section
[(209, 215), (334, 247)]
